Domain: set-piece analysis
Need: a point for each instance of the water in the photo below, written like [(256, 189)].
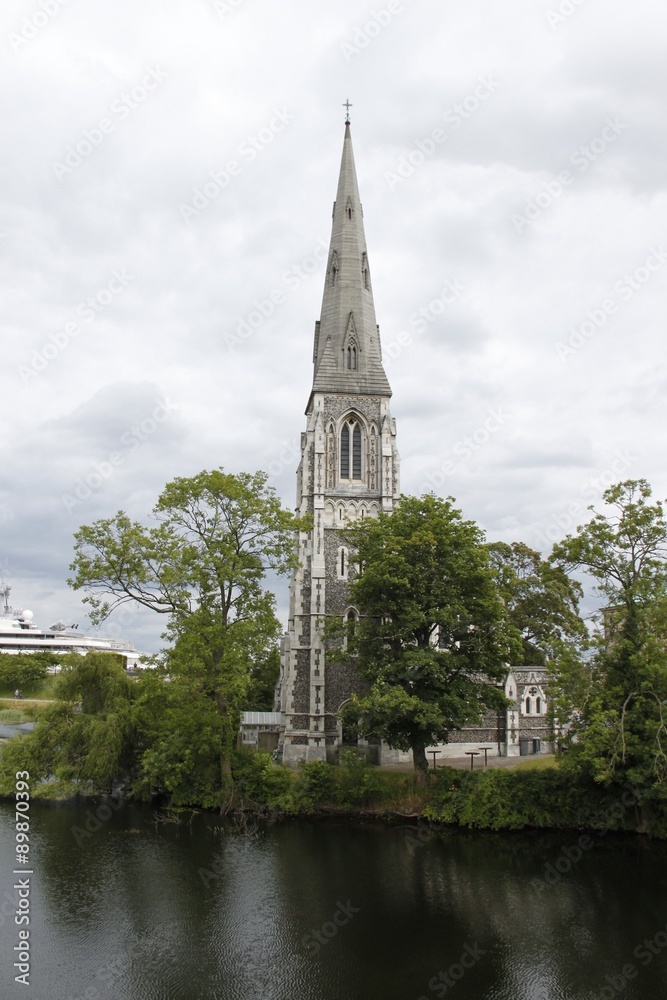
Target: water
[(141, 910)]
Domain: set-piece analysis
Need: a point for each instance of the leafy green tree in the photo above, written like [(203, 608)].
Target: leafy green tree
[(541, 599), (23, 670), (203, 567), (619, 728), (180, 742), (87, 736), (433, 634)]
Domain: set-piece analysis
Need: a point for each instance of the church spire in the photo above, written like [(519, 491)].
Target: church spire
[(347, 354)]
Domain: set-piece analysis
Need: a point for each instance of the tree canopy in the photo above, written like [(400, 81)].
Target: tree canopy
[(202, 565), (619, 729), (433, 634), (541, 599)]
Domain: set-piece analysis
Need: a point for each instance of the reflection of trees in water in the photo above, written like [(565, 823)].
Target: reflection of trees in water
[(172, 903), (181, 903), (548, 941)]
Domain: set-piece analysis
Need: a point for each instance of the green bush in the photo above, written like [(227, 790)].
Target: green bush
[(260, 781), (358, 783), (548, 799), (316, 784)]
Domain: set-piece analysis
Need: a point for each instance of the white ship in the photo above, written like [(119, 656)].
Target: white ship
[(19, 634)]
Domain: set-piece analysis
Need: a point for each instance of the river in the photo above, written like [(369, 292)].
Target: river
[(126, 906)]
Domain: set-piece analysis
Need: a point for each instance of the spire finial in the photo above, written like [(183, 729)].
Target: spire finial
[(347, 107)]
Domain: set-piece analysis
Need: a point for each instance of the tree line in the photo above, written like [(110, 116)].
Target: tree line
[(441, 613)]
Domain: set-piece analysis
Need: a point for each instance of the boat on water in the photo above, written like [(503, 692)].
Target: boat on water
[(19, 634)]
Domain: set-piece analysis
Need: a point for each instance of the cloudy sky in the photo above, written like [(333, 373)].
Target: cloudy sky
[(167, 181)]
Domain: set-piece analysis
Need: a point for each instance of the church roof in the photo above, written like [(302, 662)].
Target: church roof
[(347, 354)]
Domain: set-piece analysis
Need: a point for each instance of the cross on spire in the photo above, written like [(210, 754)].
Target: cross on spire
[(347, 107)]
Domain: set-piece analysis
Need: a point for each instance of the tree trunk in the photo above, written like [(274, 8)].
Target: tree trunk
[(420, 762)]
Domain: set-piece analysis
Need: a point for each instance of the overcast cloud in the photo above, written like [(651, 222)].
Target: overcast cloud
[(169, 167)]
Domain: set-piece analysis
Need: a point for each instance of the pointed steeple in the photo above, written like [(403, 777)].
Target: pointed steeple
[(347, 353)]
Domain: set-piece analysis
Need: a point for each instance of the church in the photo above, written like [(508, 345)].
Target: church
[(349, 469)]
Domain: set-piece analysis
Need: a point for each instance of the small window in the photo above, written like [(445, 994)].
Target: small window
[(342, 562), (538, 706), (351, 623), (349, 213), (527, 706), (364, 271)]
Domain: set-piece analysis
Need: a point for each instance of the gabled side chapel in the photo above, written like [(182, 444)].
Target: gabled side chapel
[(349, 469)]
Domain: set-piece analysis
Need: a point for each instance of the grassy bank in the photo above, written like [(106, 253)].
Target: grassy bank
[(532, 794), (535, 794)]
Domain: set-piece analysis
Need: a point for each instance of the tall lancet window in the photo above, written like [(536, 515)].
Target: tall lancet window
[(352, 357), (350, 441), (356, 452), (345, 452)]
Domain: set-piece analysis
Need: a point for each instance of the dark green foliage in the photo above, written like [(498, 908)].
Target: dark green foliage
[(498, 799), (264, 674), (180, 744), (316, 784), (433, 638)]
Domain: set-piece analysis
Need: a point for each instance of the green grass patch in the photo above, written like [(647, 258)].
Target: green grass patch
[(11, 715), (45, 689), (535, 764), (22, 711)]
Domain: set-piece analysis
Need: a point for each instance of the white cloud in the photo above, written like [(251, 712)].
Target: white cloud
[(165, 335)]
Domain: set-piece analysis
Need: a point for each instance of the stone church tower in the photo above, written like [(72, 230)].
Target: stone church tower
[(349, 469)]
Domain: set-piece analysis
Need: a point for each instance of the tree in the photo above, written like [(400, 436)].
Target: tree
[(87, 735), (202, 566), (541, 599), (24, 670), (433, 637), (620, 727)]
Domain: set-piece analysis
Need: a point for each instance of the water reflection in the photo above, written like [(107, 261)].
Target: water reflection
[(312, 911)]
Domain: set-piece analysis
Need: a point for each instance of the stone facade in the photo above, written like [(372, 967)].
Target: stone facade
[(349, 469)]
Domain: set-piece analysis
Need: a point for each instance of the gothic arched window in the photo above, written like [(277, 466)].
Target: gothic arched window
[(350, 441), (527, 706), (356, 452), (352, 357), (345, 452)]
